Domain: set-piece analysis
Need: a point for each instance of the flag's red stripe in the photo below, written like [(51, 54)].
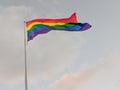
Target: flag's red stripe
[(72, 19)]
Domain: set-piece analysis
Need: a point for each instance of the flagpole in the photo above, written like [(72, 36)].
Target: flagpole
[(25, 57)]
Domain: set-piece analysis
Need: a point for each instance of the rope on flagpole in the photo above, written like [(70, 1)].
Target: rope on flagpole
[(25, 57)]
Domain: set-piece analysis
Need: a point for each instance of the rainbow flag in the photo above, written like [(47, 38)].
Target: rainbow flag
[(42, 26)]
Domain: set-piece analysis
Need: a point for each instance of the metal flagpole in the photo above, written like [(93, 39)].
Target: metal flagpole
[(25, 56)]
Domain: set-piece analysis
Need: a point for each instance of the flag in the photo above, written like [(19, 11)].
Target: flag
[(42, 26)]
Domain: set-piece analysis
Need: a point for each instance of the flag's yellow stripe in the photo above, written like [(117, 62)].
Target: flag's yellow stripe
[(49, 24)]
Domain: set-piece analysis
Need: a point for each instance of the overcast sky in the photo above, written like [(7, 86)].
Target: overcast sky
[(58, 60)]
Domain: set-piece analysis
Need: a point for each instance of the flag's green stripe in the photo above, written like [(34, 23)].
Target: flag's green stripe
[(63, 26)]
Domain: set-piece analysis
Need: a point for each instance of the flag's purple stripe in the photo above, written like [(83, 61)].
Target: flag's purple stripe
[(35, 34), (85, 27)]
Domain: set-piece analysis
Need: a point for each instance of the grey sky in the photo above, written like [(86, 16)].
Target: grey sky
[(53, 55)]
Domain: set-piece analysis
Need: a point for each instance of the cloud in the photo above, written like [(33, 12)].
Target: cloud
[(71, 81), (5, 3), (11, 53), (105, 75), (53, 52), (47, 54)]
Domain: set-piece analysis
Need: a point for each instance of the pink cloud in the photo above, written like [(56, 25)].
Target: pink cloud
[(105, 76)]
